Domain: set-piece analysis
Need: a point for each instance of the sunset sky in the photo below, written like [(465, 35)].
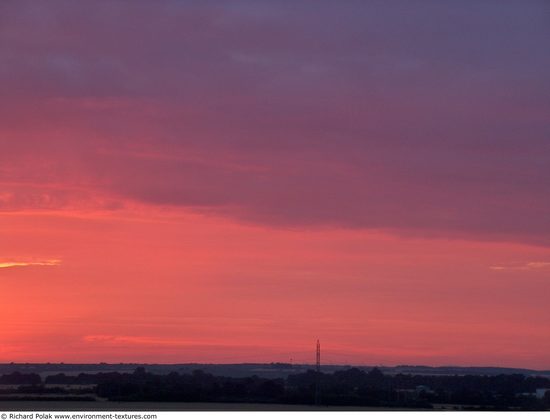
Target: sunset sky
[(215, 181)]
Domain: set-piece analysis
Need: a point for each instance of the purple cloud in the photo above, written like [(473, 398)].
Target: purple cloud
[(427, 118)]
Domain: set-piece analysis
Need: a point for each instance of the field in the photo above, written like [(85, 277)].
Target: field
[(163, 406)]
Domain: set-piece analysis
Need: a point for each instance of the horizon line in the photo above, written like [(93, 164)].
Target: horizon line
[(280, 363)]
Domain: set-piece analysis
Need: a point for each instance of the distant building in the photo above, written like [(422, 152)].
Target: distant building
[(540, 392), (423, 388), (410, 394)]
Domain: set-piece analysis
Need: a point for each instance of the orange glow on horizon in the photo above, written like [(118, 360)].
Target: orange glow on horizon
[(180, 287)]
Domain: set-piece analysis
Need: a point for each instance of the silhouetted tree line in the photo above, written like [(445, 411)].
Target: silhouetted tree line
[(195, 387), (347, 387), (357, 387), (18, 378)]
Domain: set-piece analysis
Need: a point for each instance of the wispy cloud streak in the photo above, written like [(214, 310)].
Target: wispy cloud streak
[(534, 265), (43, 263)]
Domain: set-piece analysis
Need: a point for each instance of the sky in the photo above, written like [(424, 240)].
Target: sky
[(211, 181)]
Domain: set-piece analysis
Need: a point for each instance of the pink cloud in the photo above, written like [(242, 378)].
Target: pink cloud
[(242, 161)]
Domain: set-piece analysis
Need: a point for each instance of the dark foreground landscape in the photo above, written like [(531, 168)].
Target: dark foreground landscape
[(268, 387)]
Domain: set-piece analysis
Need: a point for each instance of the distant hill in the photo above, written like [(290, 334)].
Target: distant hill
[(460, 370), (265, 370)]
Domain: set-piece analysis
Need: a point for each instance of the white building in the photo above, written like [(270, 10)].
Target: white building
[(539, 393)]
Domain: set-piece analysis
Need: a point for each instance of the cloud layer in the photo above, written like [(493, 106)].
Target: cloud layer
[(430, 118)]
